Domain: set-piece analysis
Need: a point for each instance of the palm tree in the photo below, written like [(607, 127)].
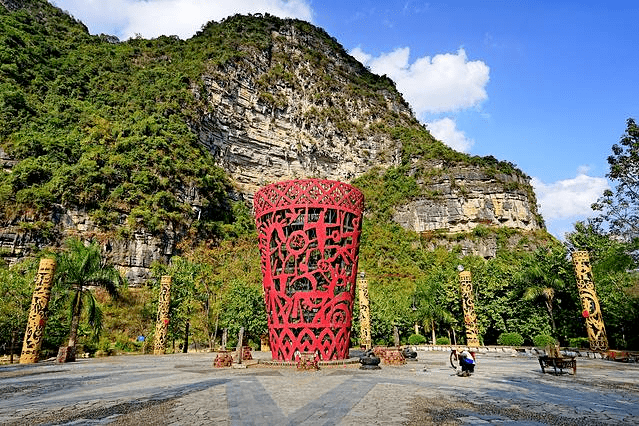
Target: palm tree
[(547, 294), (429, 309), (81, 267), (544, 277)]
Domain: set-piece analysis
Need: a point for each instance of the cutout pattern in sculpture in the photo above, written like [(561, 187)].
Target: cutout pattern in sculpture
[(309, 233)]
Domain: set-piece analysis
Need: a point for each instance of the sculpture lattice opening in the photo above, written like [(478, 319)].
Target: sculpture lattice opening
[(309, 232)]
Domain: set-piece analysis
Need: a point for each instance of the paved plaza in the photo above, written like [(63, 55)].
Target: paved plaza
[(185, 389)]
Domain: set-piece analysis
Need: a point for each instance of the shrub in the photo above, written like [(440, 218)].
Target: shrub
[(231, 343), (510, 339), (124, 343), (543, 340), (442, 341), (578, 342), (256, 346), (416, 339), (383, 342)]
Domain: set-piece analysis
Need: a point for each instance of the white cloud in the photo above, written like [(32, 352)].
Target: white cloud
[(569, 198), (565, 202), (446, 131), (171, 17), (444, 83)]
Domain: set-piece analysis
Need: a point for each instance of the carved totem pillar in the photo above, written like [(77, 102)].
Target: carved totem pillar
[(588, 295), (468, 305), (364, 313), (308, 233), (162, 323), (38, 312)]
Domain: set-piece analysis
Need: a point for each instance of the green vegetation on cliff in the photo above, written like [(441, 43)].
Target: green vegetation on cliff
[(101, 126)]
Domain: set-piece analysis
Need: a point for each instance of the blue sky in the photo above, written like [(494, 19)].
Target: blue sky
[(546, 85)]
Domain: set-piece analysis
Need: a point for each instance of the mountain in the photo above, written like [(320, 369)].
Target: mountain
[(151, 145)]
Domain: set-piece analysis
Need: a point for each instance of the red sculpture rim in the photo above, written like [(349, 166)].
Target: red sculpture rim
[(268, 198)]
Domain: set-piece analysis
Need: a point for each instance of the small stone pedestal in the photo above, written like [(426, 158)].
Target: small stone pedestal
[(390, 356), (247, 353), (223, 359)]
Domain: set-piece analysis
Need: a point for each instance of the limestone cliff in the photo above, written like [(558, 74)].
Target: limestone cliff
[(465, 197), (279, 99), (299, 125), (300, 108)]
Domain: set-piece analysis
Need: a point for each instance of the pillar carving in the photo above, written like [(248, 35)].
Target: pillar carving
[(38, 313), (589, 301), (162, 323), (468, 305), (364, 314)]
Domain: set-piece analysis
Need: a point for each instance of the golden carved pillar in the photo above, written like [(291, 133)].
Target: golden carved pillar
[(162, 323), (364, 313), (588, 295), (38, 312), (468, 305)]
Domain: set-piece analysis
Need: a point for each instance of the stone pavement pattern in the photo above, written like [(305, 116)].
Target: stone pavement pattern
[(184, 389)]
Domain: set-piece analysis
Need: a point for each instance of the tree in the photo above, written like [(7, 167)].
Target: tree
[(16, 290), (184, 297), (236, 258), (544, 277), (620, 208), (81, 267), (536, 292), (601, 247), (244, 307), (429, 308)]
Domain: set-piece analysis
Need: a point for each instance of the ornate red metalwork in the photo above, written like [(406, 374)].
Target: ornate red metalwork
[(309, 233)]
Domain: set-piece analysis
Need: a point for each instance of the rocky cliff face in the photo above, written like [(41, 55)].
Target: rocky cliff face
[(132, 254), (466, 197), (284, 113), (261, 134), (11, 4)]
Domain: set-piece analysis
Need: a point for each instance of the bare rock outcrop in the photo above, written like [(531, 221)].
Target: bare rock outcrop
[(265, 123), (132, 254), (465, 197)]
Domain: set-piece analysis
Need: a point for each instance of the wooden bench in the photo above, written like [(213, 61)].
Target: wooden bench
[(557, 361)]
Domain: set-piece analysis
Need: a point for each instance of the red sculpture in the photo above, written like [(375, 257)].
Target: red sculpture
[(308, 233)]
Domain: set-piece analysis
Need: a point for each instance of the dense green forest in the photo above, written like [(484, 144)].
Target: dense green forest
[(103, 125), (99, 124)]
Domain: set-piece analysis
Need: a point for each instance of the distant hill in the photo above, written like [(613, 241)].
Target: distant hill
[(148, 144)]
